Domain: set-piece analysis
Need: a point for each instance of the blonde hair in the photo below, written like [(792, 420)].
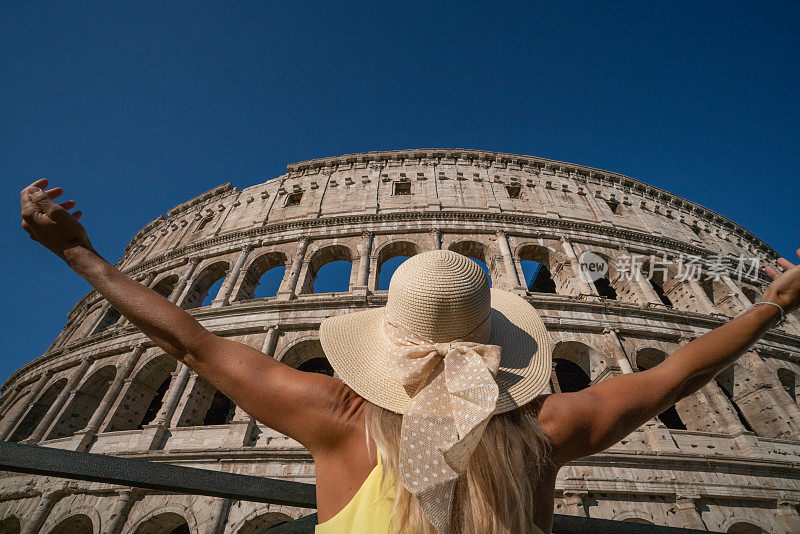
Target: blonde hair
[(496, 494)]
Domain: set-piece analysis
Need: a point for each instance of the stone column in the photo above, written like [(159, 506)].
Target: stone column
[(686, 509), (619, 351), (363, 263), (9, 398), (788, 515), (103, 311), (437, 239), (508, 260), (290, 290), (230, 282), (219, 516), (270, 340), (54, 412), (9, 425), (88, 434), (374, 275), (786, 409), (127, 497), (39, 515), (181, 285), (574, 503), (580, 286), (722, 406), (742, 301), (153, 433)]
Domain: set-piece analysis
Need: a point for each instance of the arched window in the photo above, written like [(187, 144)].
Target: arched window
[(166, 285), (535, 261), (155, 404), (110, 319), (745, 528), (476, 252), (76, 524), (263, 277), (10, 525), (143, 398), (751, 294), (221, 411), (166, 523), (605, 289), (84, 403), (329, 270), (37, 412), (317, 365), (789, 382), (389, 259), (572, 362), (205, 286)]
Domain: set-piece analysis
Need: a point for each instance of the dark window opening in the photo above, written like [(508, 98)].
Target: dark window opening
[(571, 377), (294, 199), (604, 288), (513, 191), (221, 411), (316, 365), (202, 224), (660, 292), (540, 280), (111, 317), (671, 419), (155, 404), (696, 230), (402, 188), (180, 529), (613, 205)]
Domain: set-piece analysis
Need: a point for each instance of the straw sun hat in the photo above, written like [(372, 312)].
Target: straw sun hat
[(440, 296), (447, 352)]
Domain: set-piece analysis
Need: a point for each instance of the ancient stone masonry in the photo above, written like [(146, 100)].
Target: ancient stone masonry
[(248, 265)]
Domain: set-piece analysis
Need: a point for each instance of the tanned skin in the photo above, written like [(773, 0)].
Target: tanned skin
[(327, 417)]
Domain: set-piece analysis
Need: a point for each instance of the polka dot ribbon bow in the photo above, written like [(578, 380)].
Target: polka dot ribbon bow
[(453, 394)]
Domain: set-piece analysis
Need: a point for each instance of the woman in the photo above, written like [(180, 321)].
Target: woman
[(439, 422)]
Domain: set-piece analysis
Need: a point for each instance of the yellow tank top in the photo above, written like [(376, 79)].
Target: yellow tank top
[(368, 512), (370, 509)]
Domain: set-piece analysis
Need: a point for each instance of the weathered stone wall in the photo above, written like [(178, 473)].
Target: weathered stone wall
[(723, 459)]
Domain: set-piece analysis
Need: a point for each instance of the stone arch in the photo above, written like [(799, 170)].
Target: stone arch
[(258, 521), (479, 252), (111, 317), (734, 382), (718, 293), (321, 257), (142, 399), (541, 259), (74, 524), (166, 285), (10, 525), (790, 382), (751, 293), (220, 411), (260, 266), (647, 358), (165, 520), (573, 365), (84, 403), (634, 516), (744, 527), (38, 410), (302, 351), (389, 251), (203, 282)]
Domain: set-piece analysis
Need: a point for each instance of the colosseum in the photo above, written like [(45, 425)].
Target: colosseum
[(256, 265)]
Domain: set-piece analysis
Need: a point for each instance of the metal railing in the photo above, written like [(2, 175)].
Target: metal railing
[(36, 460)]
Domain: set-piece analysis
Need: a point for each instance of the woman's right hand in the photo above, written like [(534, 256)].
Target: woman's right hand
[(49, 223)]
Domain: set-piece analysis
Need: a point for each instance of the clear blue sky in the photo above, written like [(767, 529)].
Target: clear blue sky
[(134, 107)]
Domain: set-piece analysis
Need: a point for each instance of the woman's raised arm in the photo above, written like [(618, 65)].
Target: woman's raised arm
[(593, 419), (309, 407)]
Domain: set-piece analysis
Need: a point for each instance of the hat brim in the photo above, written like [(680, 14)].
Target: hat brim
[(357, 347)]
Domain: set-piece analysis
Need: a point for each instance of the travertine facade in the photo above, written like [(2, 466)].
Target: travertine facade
[(729, 461)]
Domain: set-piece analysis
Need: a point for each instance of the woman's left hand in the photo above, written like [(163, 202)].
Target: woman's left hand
[(785, 287)]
